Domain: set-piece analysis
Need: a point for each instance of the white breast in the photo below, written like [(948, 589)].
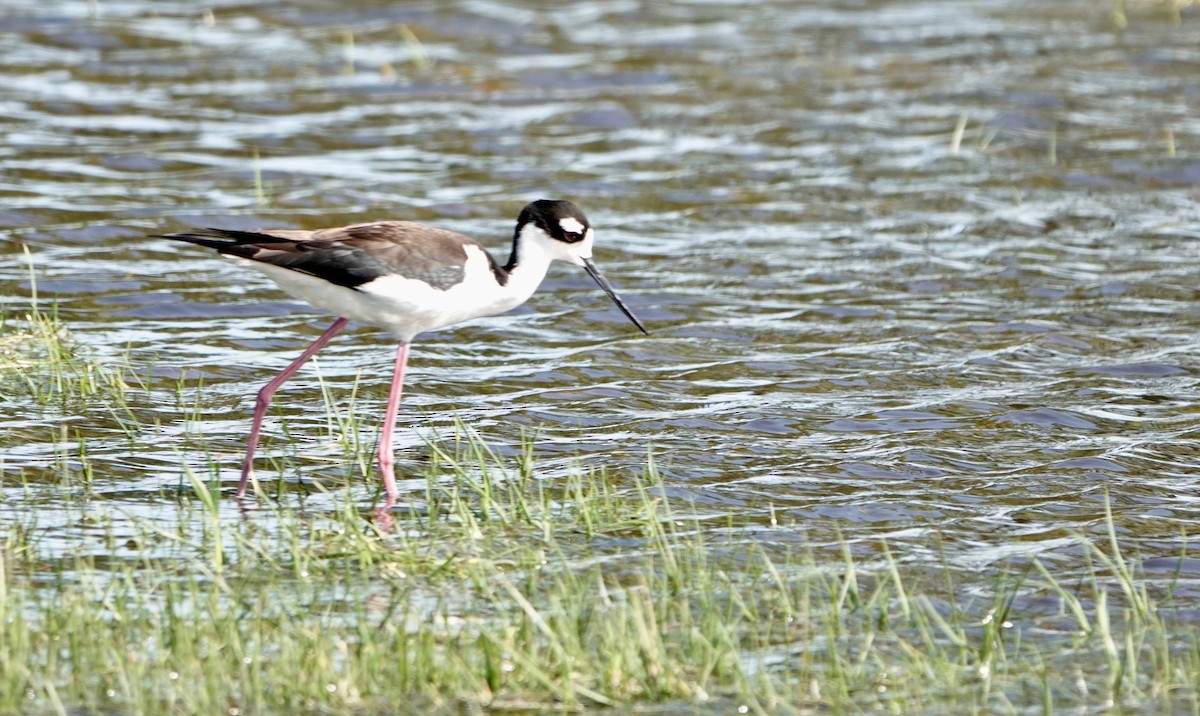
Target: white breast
[(405, 307)]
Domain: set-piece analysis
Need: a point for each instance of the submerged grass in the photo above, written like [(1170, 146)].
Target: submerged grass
[(501, 589), (510, 597), (41, 364)]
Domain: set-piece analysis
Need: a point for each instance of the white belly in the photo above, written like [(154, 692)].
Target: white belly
[(405, 307)]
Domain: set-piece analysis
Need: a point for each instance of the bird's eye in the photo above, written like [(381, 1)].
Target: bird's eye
[(574, 236)]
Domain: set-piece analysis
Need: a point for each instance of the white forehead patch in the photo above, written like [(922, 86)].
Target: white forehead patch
[(570, 225)]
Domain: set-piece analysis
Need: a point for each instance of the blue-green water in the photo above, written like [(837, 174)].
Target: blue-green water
[(922, 271)]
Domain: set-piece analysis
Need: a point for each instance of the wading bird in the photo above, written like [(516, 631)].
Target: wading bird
[(406, 278)]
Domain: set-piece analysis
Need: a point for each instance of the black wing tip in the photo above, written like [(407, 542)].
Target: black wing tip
[(221, 239), (211, 238)]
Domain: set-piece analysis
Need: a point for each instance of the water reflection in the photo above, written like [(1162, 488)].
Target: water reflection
[(859, 319)]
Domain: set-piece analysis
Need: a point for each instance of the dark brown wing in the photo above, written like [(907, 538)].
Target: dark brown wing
[(351, 255)]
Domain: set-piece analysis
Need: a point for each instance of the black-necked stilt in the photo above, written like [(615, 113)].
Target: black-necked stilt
[(407, 278)]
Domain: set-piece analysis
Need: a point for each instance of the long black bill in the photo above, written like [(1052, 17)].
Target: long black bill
[(604, 284)]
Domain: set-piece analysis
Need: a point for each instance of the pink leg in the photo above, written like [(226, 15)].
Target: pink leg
[(386, 453), (268, 390)]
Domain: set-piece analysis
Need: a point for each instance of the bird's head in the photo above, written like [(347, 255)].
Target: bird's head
[(562, 231)]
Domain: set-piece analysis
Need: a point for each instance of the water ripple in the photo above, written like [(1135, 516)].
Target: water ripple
[(856, 317)]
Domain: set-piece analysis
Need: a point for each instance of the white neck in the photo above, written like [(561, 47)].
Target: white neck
[(532, 263)]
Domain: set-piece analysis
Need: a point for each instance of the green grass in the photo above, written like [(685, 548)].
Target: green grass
[(42, 364), (502, 589), (531, 595)]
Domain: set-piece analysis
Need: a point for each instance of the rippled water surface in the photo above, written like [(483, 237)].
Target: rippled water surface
[(915, 270)]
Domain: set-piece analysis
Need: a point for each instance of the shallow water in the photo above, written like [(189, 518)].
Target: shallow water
[(862, 320)]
